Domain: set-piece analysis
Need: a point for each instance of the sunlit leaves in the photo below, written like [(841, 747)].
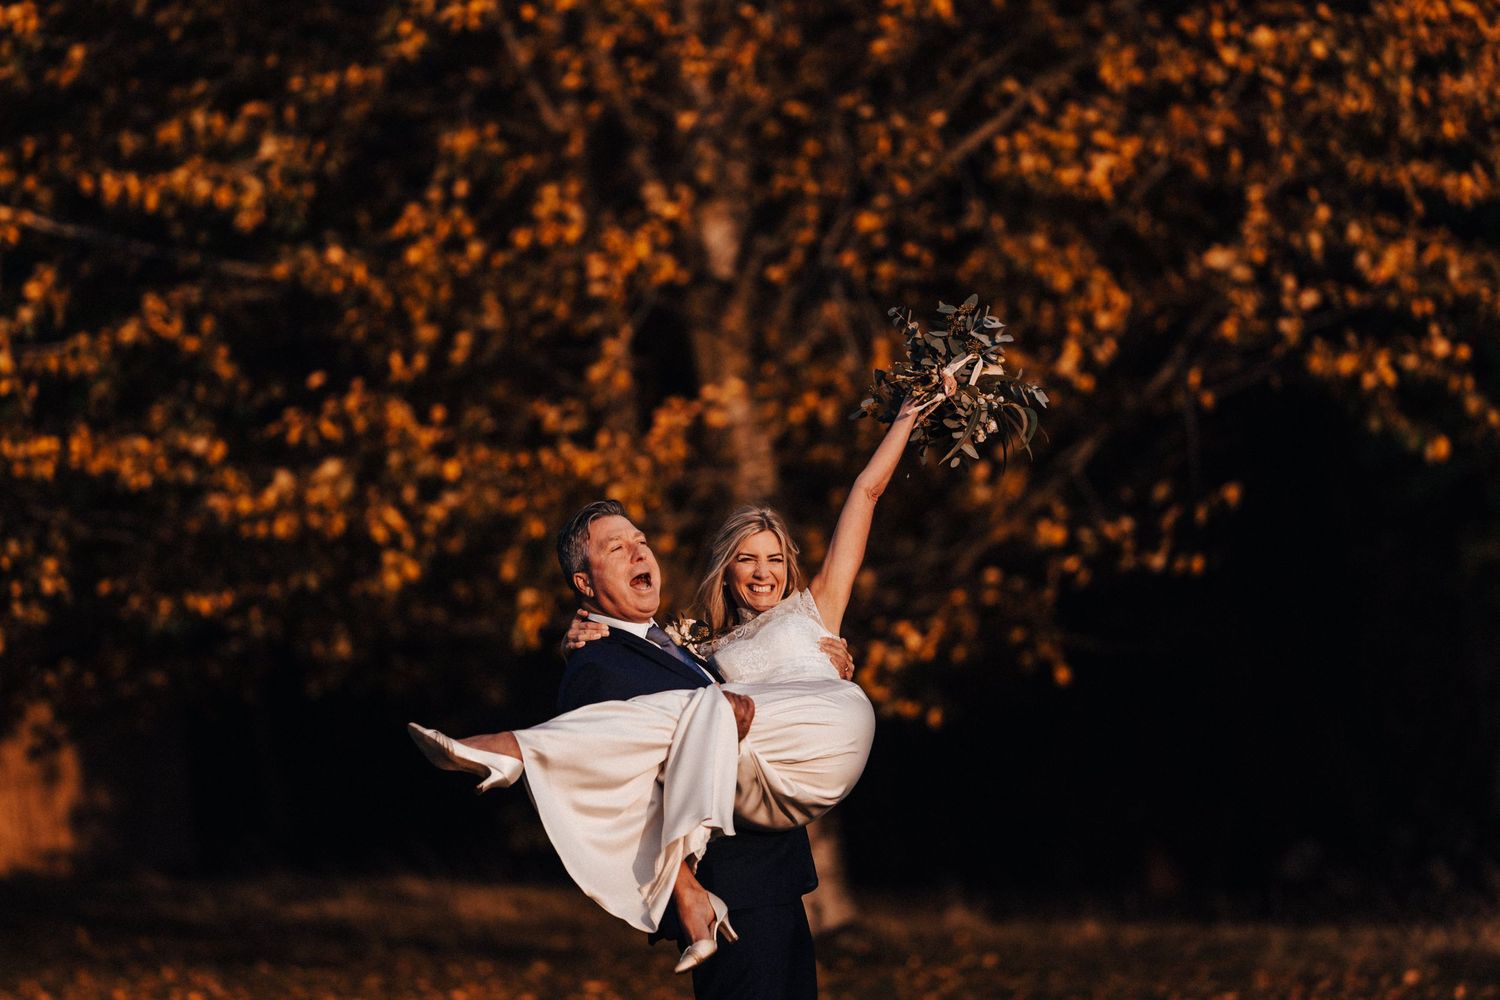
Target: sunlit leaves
[(312, 326)]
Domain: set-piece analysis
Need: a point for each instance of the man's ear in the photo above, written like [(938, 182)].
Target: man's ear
[(583, 584)]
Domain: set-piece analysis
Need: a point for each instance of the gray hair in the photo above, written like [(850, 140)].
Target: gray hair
[(573, 539)]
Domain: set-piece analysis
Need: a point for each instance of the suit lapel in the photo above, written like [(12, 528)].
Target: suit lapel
[(657, 655)]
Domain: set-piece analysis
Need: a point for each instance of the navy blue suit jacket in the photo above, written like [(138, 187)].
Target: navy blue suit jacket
[(753, 868)]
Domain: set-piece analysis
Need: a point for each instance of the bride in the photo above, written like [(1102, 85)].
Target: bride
[(632, 792)]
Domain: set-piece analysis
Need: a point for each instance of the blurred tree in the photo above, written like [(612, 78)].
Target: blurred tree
[(315, 319)]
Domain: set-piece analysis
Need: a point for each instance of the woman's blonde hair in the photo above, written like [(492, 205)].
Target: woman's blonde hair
[(714, 601)]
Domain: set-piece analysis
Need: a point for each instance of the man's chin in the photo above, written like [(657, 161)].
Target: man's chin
[(645, 606)]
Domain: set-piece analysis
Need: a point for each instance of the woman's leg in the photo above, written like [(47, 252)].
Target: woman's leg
[(694, 912), (502, 743)]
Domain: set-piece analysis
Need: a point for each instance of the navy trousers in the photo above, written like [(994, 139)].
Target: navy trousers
[(772, 960)]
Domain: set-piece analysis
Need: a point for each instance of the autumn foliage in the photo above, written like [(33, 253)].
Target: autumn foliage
[(316, 318)]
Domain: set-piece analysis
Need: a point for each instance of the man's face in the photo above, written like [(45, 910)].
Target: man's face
[(623, 580)]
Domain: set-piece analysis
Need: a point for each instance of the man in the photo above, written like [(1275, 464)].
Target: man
[(762, 876)]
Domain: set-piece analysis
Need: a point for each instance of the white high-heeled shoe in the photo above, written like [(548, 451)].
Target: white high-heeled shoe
[(499, 770), (699, 952)]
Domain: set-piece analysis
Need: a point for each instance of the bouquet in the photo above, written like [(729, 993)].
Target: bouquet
[(957, 378)]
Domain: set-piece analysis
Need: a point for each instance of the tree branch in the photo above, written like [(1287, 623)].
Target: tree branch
[(997, 124), (186, 259), (550, 116)]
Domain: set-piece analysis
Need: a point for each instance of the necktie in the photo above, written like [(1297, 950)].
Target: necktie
[(658, 635)]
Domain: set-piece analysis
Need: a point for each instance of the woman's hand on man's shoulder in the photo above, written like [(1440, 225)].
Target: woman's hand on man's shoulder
[(582, 630)]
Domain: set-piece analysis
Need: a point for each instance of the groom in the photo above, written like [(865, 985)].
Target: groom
[(761, 875)]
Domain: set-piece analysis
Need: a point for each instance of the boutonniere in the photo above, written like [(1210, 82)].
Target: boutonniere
[(687, 632)]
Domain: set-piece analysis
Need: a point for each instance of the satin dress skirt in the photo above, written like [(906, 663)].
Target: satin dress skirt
[(628, 790)]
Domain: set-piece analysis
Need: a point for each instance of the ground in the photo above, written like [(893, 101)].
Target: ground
[(419, 938)]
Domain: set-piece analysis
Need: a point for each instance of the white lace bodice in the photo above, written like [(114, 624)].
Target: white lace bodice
[(778, 645)]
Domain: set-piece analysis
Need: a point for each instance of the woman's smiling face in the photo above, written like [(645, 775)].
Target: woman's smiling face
[(757, 573)]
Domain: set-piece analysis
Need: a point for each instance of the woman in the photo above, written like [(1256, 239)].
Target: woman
[(647, 783)]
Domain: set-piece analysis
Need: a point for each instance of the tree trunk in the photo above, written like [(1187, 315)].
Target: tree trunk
[(724, 335), (725, 368), (831, 906), (39, 796), (725, 362)]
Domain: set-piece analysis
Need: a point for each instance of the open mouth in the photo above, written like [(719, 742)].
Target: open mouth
[(641, 581), (762, 588)]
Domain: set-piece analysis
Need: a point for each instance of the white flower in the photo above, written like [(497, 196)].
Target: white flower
[(680, 629)]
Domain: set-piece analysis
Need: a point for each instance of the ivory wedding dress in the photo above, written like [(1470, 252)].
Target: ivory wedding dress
[(629, 789)]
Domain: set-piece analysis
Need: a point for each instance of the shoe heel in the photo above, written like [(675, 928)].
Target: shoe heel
[(728, 931), (502, 777)]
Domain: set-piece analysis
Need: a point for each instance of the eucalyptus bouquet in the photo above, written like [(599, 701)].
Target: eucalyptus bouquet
[(957, 378)]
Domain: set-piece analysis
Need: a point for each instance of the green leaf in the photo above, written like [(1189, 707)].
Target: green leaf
[(968, 432)]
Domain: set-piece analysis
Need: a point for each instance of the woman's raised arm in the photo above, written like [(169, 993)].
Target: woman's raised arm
[(846, 551)]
